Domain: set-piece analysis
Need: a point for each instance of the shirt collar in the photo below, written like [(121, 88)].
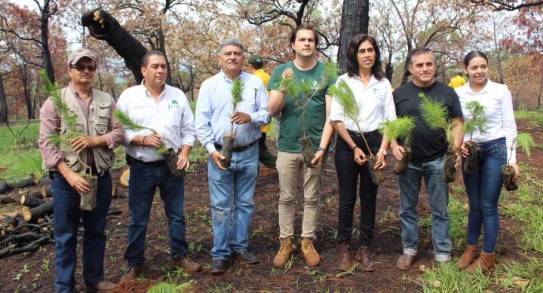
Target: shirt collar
[(241, 76), (148, 94), (485, 89), (76, 94)]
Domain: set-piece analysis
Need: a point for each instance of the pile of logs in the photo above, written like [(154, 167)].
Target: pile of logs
[(30, 228)]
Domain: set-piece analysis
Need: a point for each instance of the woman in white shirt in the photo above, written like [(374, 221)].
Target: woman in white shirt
[(483, 186), (373, 95)]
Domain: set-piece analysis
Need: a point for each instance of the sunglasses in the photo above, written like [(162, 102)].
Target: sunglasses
[(82, 68)]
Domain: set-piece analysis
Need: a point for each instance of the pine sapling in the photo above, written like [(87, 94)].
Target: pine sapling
[(526, 143), (169, 154), (64, 139), (435, 116), (400, 129), (345, 97), (228, 138), (303, 92), (477, 122)]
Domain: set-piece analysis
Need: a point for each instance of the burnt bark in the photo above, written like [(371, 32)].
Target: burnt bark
[(47, 10), (3, 101), (105, 27), (354, 19)]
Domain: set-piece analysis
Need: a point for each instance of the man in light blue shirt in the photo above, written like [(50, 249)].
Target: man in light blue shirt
[(231, 189)]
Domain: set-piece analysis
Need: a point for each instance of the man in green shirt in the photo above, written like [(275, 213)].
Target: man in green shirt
[(290, 163)]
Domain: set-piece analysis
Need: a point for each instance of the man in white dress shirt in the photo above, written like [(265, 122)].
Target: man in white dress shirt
[(164, 109), (231, 189)]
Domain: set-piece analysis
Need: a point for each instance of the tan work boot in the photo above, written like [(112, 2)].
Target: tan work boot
[(188, 264), (405, 261), (344, 256), (311, 256), (366, 259), (103, 286), (485, 263), (285, 251), (471, 253)]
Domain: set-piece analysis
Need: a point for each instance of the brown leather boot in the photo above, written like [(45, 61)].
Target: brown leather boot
[(285, 251), (133, 273), (188, 264), (485, 263), (366, 259), (344, 256), (471, 253), (311, 256)]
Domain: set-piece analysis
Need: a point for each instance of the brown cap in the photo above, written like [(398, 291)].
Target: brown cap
[(80, 54)]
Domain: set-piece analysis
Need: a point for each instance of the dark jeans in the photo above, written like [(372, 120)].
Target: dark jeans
[(144, 179), (66, 220), (348, 172), (483, 189)]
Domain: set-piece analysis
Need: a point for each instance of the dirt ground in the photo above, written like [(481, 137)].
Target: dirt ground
[(34, 272)]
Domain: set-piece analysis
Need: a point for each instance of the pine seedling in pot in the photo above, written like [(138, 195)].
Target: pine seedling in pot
[(169, 154), (526, 142), (435, 116), (477, 122), (303, 92), (228, 138), (400, 129), (345, 97), (65, 137)]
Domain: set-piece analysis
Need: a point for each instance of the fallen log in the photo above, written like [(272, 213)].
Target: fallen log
[(31, 200), (4, 198), (20, 238), (33, 246), (33, 214)]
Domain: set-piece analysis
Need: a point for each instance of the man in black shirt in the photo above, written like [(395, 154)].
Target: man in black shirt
[(428, 146)]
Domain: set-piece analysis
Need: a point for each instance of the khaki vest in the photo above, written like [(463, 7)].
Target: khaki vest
[(98, 123)]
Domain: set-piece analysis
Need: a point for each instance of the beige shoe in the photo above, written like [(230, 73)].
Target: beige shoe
[(188, 265), (285, 251), (311, 256), (485, 263), (405, 261), (103, 286), (345, 261), (470, 254)]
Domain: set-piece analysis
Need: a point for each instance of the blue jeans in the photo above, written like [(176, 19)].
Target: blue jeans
[(438, 197), (483, 189), (231, 194), (66, 220), (144, 179)]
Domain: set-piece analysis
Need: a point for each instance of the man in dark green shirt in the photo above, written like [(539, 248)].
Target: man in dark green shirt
[(305, 69)]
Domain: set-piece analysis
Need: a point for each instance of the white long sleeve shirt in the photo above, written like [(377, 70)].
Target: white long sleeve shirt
[(374, 100), (170, 116), (500, 117)]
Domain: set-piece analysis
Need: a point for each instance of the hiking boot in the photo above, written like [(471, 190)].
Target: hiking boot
[(405, 261), (471, 252), (311, 256), (485, 263), (366, 259), (283, 255), (218, 266), (188, 265), (247, 257), (344, 256), (103, 286), (133, 273)]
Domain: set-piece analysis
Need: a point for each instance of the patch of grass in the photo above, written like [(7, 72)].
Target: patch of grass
[(458, 220), (447, 278), (526, 276), (532, 116), (20, 156), (198, 154), (165, 287)]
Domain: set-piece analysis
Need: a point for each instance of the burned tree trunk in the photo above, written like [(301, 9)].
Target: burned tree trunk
[(31, 200), (354, 19), (3, 101), (33, 214), (104, 27)]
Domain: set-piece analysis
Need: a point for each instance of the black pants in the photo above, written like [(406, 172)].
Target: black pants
[(348, 172)]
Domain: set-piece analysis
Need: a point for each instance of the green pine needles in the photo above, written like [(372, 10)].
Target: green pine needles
[(435, 115), (399, 129), (478, 118), (526, 142), (130, 124), (237, 91)]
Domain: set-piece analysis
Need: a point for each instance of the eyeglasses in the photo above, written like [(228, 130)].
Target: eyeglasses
[(90, 68)]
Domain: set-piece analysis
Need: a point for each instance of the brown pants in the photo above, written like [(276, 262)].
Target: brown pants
[(289, 168)]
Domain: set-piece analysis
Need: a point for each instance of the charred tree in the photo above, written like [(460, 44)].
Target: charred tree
[(354, 19), (105, 27), (3, 101)]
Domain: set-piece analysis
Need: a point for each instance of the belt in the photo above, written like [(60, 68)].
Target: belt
[(366, 134), (135, 162), (238, 148)]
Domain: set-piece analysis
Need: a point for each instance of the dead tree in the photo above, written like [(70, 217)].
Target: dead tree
[(354, 19), (105, 27)]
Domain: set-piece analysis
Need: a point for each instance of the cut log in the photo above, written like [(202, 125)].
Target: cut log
[(4, 198), (123, 180), (32, 200), (33, 214)]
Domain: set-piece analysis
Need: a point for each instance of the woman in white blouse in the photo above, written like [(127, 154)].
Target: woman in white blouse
[(484, 185), (373, 94)]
